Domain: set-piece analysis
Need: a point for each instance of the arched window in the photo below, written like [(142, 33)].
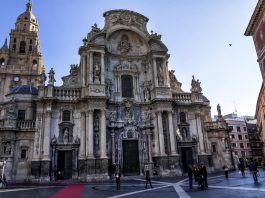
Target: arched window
[(127, 86), (2, 61), (66, 115), (34, 63), (22, 48), (182, 117)]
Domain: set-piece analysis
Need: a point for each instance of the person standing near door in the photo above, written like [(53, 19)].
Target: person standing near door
[(148, 178), (118, 179)]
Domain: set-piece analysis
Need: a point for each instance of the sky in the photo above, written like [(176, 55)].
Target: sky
[(197, 34)]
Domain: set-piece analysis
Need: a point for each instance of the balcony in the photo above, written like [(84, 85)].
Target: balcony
[(26, 124), (67, 93), (182, 97)]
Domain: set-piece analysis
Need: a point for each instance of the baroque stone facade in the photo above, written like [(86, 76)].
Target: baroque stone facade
[(119, 108)]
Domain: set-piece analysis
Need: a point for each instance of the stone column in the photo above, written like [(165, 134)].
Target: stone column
[(149, 145), (103, 135), (156, 139), (89, 135), (83, 136), (90, 67), (160, 133), (171, 134), (113, 146), (83, 71), (46, 141), (155, 71), (200, 135), (102, 80)]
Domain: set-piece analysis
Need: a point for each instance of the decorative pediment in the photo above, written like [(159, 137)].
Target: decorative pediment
[(72, 80), (126, 67)]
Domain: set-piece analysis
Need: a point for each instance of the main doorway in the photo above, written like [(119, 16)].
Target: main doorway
[(130, 157), (186, 154), (64, 165)]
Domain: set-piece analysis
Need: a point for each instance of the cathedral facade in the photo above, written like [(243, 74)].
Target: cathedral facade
[(121, 107)]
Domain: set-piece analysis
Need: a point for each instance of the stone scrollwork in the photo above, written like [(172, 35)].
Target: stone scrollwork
[(124, 45)]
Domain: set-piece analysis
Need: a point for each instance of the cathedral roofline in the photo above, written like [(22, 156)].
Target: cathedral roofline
[(256, 16), (125, 11)]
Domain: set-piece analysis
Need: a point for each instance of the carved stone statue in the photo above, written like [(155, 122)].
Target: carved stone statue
[(7, 148), (195, 85), (43, 77), (160, 76), (129, 118), (124, 45), (73, 68), (219, 110), (147, 94), (65, 136), (184, 133), (51, 77), (112, 117), (97, 71)]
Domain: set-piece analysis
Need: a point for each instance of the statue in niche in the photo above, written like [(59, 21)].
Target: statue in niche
[(160, 76), (108, 90), (97, 71), (195, 85), (112, 117), (96, 122), (51, 76), (7, 148), (124, 45), (65, 135), (147, 95), (184, 133)]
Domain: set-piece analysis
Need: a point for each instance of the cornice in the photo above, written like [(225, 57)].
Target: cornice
[(257, 14)]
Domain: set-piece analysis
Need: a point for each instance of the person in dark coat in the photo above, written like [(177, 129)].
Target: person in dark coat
[(148, 178), (253, 166), (225, 168), (190, 172), (204, 173), (118, 179)]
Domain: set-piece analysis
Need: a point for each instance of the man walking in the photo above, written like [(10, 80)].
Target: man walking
[(148, 179)]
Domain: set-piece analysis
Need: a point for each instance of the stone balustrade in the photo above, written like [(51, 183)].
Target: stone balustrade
[(26, 124), (182, 97), (67, 93)]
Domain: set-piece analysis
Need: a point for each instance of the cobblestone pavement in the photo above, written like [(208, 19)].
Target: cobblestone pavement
[(219, 187)]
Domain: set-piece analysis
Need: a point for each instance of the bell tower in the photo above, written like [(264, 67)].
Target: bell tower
[(21, 62)]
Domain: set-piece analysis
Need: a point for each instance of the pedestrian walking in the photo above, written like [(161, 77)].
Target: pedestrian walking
[(205, 176), (190, 172), (242, 167), (254, 169), (118, 179), (225, 168), (148, 178)]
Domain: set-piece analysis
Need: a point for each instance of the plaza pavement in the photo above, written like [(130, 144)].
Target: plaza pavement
[(219, 187)]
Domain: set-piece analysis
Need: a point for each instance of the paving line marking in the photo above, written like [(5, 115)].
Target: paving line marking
[(237, 188), (140, 191), (24, 189), (181, 193)]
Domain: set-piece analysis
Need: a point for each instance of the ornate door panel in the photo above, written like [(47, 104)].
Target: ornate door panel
[(130, 157)]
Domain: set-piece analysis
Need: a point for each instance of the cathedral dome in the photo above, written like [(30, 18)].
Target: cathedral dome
[(24, 89), (27, 20)]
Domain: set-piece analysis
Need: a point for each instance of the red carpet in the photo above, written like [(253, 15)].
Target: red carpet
[(72, 191)]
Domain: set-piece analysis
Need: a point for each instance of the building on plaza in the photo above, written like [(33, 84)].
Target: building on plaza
[(254, 140), (256, 29), (239, 136), (120, 107)]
